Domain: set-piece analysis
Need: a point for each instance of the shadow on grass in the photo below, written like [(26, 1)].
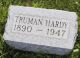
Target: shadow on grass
[(2, 26), (78, 40), (79, 54)]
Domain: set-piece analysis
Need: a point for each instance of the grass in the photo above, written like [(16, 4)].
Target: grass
[(68, 5)]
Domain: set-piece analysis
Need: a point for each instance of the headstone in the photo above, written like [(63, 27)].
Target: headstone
[(41, 30)]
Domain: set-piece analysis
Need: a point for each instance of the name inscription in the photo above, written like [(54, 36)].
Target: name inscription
[(34, 25)]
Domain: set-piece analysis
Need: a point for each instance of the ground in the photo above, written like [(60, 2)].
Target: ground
[(68, 5)]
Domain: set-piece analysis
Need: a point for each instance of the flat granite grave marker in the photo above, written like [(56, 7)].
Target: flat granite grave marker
[(41, 30)]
